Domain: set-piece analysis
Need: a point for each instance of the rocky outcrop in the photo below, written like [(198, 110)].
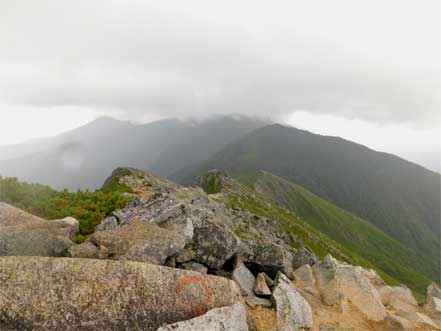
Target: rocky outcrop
[(137, 241), (293, 311), (38, 293), (233, 318), (22, 234)]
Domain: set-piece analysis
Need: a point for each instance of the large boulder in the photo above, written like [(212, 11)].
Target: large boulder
[(233, 318), (22, 234), (268, 257), (398, 299), (293, 311), (338, 281), (213, 242), (38, 293), (136, 241)]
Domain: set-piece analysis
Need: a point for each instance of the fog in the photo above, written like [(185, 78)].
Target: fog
[(376, 62)]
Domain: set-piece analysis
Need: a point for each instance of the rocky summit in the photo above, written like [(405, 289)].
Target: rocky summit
[(177, 258)]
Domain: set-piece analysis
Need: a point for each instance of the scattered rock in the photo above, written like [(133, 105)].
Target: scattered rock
[(246, 280), (233, 318), (261, 287), (303, 256), (293, 311), (39, 293)]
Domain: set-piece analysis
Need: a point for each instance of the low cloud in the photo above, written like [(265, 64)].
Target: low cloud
[(139, 57)]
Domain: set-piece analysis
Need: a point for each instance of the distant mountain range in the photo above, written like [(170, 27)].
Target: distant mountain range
[(82, 158)]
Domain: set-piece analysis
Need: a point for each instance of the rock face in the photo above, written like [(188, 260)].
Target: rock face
[(232, 318), (22, 234), (293, 311), (38, 293)]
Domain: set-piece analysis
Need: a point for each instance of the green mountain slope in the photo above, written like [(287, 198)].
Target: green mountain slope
[(382, 253), (397, 196), (352, 232)]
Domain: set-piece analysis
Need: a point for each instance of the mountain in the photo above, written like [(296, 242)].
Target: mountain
[(397, 196), (357, 235), (178, 258), (81, 158)]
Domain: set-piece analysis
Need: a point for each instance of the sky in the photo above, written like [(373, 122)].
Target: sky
[(368, 71)]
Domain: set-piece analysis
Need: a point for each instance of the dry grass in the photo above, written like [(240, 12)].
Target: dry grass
[(265, 318)]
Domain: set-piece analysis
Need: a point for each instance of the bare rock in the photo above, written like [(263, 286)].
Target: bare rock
[(304, 277), (22, 234), (398, 299), (337, 281), (191, 265), (293, 311), (136, 241), (303, 256), (261, 287), (38, 293), (433, 290), (233, 318), (107, 224), (246, 280)]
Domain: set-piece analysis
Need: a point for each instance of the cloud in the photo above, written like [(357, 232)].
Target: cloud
[(374, 61)]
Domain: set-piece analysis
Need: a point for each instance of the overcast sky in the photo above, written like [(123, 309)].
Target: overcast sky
[(368, 71)]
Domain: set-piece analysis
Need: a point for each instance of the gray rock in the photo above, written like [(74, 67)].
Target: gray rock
[(85, 250), (22, 234), (107, 224), (136, 241), (433, 290), (303, 256), (398, 298), (337, 281), (261, 287), (433, 306), (293, 311), (213, 243), (38, 293), (191, 265), (304, 277), (270, 258), (246, 280), (233, 318)]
